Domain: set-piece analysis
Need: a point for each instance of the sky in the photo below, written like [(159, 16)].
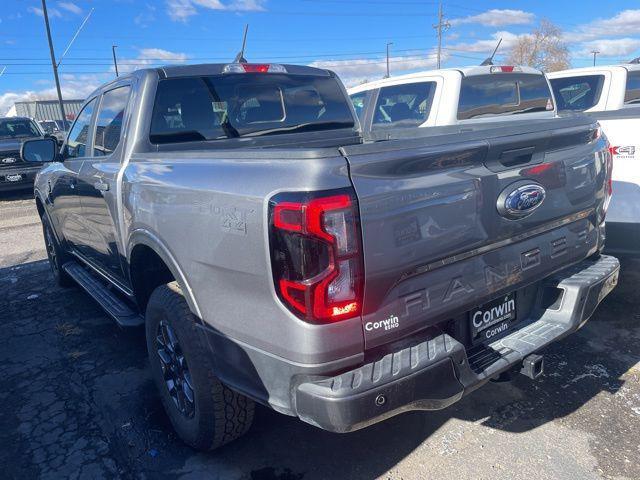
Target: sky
[(347, 36)]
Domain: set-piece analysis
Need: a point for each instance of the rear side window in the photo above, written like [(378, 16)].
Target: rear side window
[(632, 93), (405, 105), (246, 105), (577, 93), (77, 140), (109, 122), (358, 101), (503, 94)]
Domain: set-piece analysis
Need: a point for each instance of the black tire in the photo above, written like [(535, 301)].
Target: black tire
[(217, 414), (56, 255)]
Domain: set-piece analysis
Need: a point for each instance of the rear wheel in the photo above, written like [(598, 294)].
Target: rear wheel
[(56, 255), (205, 413)]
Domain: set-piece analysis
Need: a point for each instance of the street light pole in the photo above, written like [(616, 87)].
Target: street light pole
[(595, 52), (115, 61), (388, 72), (54, 65)]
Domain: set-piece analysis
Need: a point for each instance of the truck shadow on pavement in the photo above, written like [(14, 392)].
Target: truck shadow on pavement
[(79, 398)]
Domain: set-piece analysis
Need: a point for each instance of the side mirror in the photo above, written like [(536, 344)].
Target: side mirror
[(40, 150)]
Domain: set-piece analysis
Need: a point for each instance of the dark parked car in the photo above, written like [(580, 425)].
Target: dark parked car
[(14, 172)]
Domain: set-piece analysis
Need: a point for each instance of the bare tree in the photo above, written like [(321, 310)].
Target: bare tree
[(544, 49)]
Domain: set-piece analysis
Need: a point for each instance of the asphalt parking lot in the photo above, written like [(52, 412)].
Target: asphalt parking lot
[(78, 402)]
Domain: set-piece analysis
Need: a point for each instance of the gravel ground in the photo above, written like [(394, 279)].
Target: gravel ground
[(78, 402)]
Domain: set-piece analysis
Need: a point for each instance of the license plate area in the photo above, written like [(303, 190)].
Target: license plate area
[(492, 319), (14, 177)]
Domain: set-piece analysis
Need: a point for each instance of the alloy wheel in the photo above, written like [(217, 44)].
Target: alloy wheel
[(175, 370)]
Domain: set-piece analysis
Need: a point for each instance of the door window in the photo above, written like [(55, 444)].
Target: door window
[(358, 100), (109, 121), (77, 140), (403, 105), (632, 94)]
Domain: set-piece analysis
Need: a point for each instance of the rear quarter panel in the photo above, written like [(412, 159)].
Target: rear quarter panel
[(209, 210)]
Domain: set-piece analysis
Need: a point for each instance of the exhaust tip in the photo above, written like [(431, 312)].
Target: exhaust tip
[(533, 366)]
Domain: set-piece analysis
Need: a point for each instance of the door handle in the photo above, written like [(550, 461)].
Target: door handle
[(101, 186)]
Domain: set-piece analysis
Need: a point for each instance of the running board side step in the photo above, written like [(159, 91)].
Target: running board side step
[(124, 315)]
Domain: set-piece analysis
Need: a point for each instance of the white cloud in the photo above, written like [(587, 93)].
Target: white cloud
[(70, 7), (181, 10), (356, 71), (53, 13), (146, 17), (150, 56), (487, 45), (607, 47), (75, 86), (497, 18), (624, 23)]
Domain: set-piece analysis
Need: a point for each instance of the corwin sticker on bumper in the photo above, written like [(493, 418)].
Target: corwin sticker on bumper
[(493, 318)]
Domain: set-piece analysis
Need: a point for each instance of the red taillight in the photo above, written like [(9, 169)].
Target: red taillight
[(504, 69), (254, 68), (316, 256), (607, 152), (609, 164)]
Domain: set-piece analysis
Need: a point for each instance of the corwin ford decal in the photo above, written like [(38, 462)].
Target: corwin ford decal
[(627, 151)]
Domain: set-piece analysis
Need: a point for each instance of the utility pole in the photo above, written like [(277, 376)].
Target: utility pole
[(115, 61), (442, 25), (595, 52), (54, 65), (388, 73)]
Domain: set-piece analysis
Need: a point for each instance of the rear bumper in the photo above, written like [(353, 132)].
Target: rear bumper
[(28, 174), (437, 372)]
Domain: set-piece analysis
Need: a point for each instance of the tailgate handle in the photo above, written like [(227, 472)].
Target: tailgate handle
[(518, 156)]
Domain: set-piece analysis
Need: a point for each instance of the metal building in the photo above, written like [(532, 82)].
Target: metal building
[(47, 109)]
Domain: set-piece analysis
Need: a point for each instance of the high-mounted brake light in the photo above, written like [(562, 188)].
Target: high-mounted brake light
[(316, 256), (254, 68), (505, 69)]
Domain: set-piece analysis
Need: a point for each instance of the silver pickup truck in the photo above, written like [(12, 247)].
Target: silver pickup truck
[(275, 255)]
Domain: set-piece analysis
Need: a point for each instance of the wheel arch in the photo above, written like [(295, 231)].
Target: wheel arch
[(147, 249), (45, 215)]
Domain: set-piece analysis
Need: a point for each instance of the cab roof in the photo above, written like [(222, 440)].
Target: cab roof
[(599, 68), (171, 71), (464, 71)]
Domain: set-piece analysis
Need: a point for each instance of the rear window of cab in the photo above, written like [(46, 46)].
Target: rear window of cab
[(499, 94), (577, 93), (218, 107)]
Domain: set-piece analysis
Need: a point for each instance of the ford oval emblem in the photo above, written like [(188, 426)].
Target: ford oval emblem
[(520, 199)]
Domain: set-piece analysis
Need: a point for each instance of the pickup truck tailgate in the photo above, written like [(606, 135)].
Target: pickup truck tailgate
[(435, 244)]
